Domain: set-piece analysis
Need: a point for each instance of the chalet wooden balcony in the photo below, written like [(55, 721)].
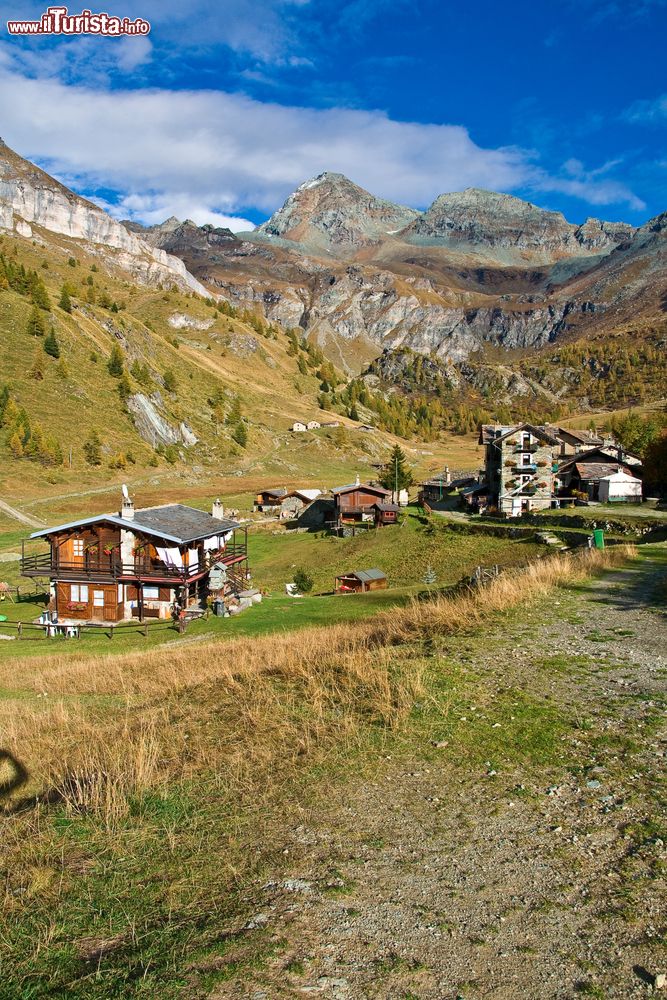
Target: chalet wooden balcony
[(355, 511), (110, 568)]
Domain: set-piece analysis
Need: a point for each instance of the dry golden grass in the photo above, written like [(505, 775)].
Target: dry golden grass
[(100, 731)]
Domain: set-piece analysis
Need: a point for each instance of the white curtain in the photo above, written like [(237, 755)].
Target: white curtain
[(171, 557), (193, 560), (212, 544)]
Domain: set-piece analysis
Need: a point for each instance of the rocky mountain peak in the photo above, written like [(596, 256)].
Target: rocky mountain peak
[(482, 220), (330, 212)]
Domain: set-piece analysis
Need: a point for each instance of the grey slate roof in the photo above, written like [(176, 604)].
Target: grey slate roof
[(185, 523), (360, 486), (281, 492), (174, 522), (596, 470), (366, 575)]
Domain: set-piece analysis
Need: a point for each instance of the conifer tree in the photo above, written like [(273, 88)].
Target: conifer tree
[(65, 301), (51, 345), (115, 363), (40, 296), (234, 417), (35, 327), (36, 371), (395, 474), (92, 449), (240, 434), (16, 445)]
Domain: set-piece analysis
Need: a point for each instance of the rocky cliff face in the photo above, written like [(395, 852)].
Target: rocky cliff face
[(476, 270), (30, 197)]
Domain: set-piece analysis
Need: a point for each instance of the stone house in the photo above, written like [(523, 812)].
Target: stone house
[(296, 501), (520, 463), (585, 471)]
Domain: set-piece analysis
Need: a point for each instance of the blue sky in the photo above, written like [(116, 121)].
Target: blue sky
[(226, 107)]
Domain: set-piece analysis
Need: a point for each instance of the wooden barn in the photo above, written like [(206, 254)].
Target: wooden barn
[(360, 581)]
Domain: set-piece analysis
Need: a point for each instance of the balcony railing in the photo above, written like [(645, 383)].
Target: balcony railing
[(529, 467), (104, 566)]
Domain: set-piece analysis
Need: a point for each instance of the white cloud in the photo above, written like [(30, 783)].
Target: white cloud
[(152, 209), (647, 112), (218, 152)]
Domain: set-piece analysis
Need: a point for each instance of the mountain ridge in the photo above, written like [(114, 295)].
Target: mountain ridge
[(31, 197), (477, 269)]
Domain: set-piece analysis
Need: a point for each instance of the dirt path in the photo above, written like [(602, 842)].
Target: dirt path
[(32, 522), (432, 881)]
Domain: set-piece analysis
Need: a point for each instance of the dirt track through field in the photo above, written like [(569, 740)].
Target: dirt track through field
[(18, 515), (433, 882)]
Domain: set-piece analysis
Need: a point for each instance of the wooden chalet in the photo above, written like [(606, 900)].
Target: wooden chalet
[(356, 504), (140, 564), (360, 581)]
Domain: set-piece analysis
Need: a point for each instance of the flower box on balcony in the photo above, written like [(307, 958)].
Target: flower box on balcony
[(76, 606)]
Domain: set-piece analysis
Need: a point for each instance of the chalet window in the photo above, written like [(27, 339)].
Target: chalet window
[(98, 598), (526, 459), (77, 546), (79, 593), (525, 441), (152, 593)]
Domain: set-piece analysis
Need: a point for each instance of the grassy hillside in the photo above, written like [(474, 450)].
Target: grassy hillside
[(161, 795), (402, 552), (213, 369)]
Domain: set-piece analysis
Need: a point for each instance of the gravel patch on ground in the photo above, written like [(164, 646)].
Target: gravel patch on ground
[(435, 880)]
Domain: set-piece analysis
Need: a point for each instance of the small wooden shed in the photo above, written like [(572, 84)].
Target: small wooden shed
[(386, 513), (361, 580)]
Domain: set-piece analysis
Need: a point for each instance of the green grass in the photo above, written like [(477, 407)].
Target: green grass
[(158, 905), (403, 553)]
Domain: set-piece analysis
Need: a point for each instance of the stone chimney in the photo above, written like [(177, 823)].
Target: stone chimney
[(218, 510), (357, 481), (448, 475), (127, 508)]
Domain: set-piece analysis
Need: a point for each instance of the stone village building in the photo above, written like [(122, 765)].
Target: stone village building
[(519, 467)]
